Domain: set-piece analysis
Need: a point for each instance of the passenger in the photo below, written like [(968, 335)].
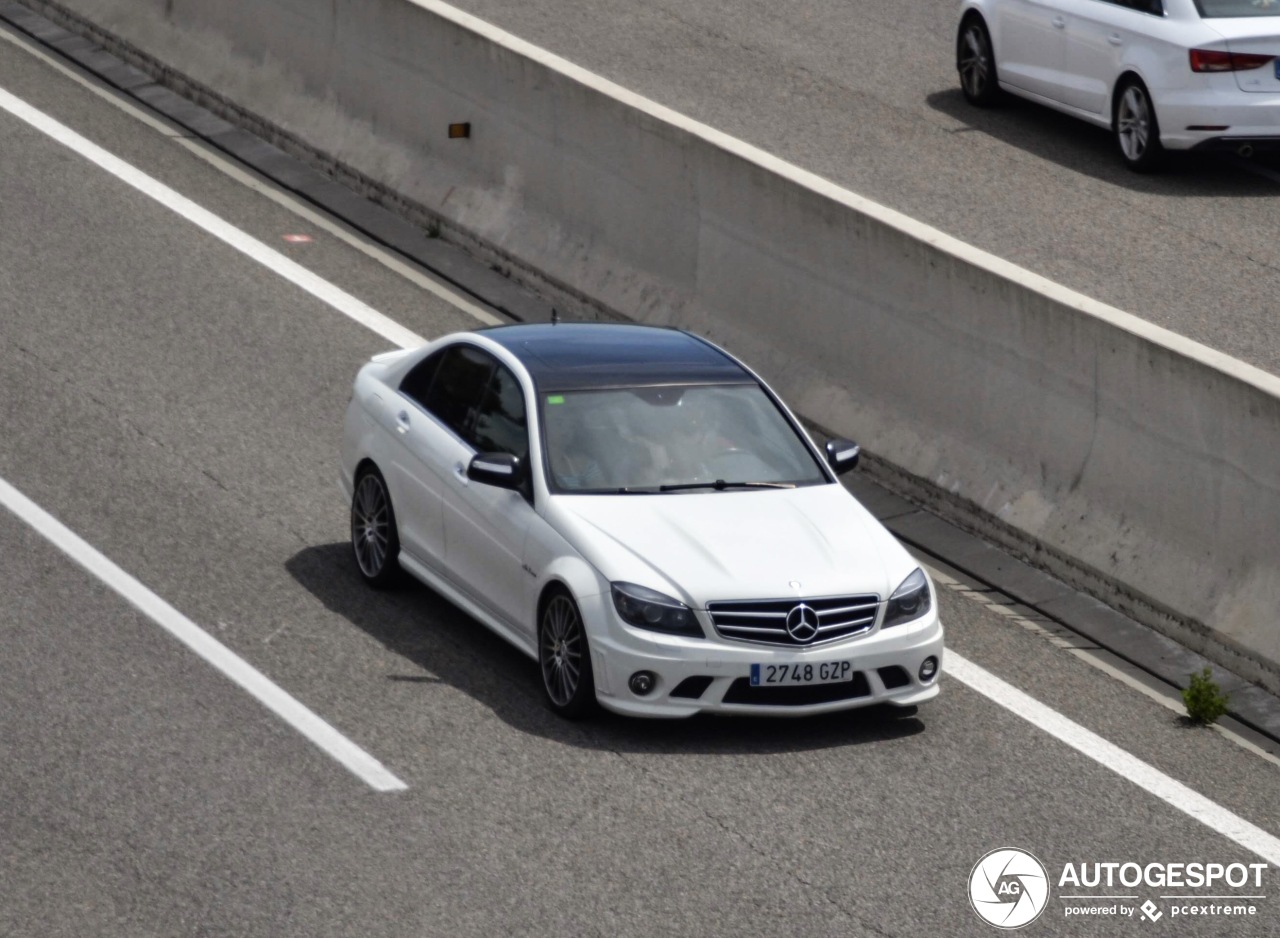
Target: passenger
[(574, 464)]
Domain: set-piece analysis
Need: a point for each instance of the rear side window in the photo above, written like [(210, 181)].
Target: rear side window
[(417, 383), (452, 386)]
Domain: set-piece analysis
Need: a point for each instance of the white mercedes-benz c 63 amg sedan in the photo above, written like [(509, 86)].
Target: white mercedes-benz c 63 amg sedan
[(636, 510)]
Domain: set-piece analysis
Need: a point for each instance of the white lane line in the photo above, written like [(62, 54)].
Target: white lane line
[(284, 199), (371, 250), (251, 247), (1145, 776), (271, 695), (1098, 658)]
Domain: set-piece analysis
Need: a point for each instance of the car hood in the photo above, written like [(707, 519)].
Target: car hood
[(754, 544)]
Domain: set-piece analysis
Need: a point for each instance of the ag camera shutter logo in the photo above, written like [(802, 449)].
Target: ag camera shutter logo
[(1009, 888)]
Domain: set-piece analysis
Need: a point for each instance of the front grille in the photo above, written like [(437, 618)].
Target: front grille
[(741, 692), (765, 620)]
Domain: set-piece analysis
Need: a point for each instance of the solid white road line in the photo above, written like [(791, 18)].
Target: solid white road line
[(271, 695), (1097, 657), (251, 247), (1146, 777), (247, 179)]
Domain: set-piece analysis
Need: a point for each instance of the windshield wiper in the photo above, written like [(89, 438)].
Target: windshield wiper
[(720, 485)]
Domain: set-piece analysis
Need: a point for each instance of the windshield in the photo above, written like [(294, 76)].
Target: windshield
[(641, 439), (1210, 9)]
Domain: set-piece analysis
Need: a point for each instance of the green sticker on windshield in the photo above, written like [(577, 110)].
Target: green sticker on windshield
[(555, 398)]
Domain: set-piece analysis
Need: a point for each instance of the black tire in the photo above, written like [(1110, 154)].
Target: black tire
[(564, 658), (1134, 126), (976, 63), (375, 542)]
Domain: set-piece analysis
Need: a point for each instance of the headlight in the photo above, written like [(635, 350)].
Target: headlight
[(649, 609), (909, 601)]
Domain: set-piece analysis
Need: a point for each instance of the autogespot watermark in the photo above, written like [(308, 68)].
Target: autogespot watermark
[(1010, 888)]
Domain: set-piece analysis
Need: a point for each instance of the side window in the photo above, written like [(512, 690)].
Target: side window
[(458, 387), (500, 423), (417, 383)]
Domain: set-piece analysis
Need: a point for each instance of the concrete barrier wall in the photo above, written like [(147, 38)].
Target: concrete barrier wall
[(1147, 464)]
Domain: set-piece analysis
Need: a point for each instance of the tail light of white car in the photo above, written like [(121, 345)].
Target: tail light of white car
[(1219, 60)]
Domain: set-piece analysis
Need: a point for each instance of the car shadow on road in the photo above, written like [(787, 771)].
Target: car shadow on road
[(1089, 150), (445, 645)]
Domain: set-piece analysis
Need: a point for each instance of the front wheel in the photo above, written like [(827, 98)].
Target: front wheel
[(976, 63), (374, 539), (1137, 133), (565, 659)]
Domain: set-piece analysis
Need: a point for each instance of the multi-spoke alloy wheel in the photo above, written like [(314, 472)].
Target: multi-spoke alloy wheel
[(564, 658), (976, 63), (373, 530), (1136, 131)]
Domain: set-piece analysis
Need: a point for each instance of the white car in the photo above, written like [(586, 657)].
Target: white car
[(1161, 74), (636, 510)]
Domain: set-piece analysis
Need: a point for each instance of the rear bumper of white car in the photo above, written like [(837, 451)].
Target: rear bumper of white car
[(1194, 119), (714, 676)]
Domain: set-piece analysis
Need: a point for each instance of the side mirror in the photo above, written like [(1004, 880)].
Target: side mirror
[(842, 455), (501, 469)]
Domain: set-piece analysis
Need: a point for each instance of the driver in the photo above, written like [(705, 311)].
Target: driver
[(694, 439)]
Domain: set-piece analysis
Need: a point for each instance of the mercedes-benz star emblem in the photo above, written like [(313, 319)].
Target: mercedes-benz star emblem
[(802, 623)]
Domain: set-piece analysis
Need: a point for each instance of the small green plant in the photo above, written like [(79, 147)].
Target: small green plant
[(1204, 699)]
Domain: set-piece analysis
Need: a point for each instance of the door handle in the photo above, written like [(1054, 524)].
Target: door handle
[(1115, 39), (1059, 22), (402, 421)]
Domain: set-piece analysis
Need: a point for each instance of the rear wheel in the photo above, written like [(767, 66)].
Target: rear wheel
[(1137, 133), (564, 659), (374, 540), (976, 63)]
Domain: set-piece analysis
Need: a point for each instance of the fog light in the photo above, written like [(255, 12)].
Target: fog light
[(642, 683), (928, 669)]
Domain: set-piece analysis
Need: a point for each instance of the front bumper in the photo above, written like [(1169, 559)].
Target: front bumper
[(712, 675)]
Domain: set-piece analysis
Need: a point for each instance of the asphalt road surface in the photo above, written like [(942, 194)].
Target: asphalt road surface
[(865, 94), (177, 405)]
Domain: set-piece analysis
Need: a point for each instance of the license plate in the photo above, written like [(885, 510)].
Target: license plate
[(791, 675)]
